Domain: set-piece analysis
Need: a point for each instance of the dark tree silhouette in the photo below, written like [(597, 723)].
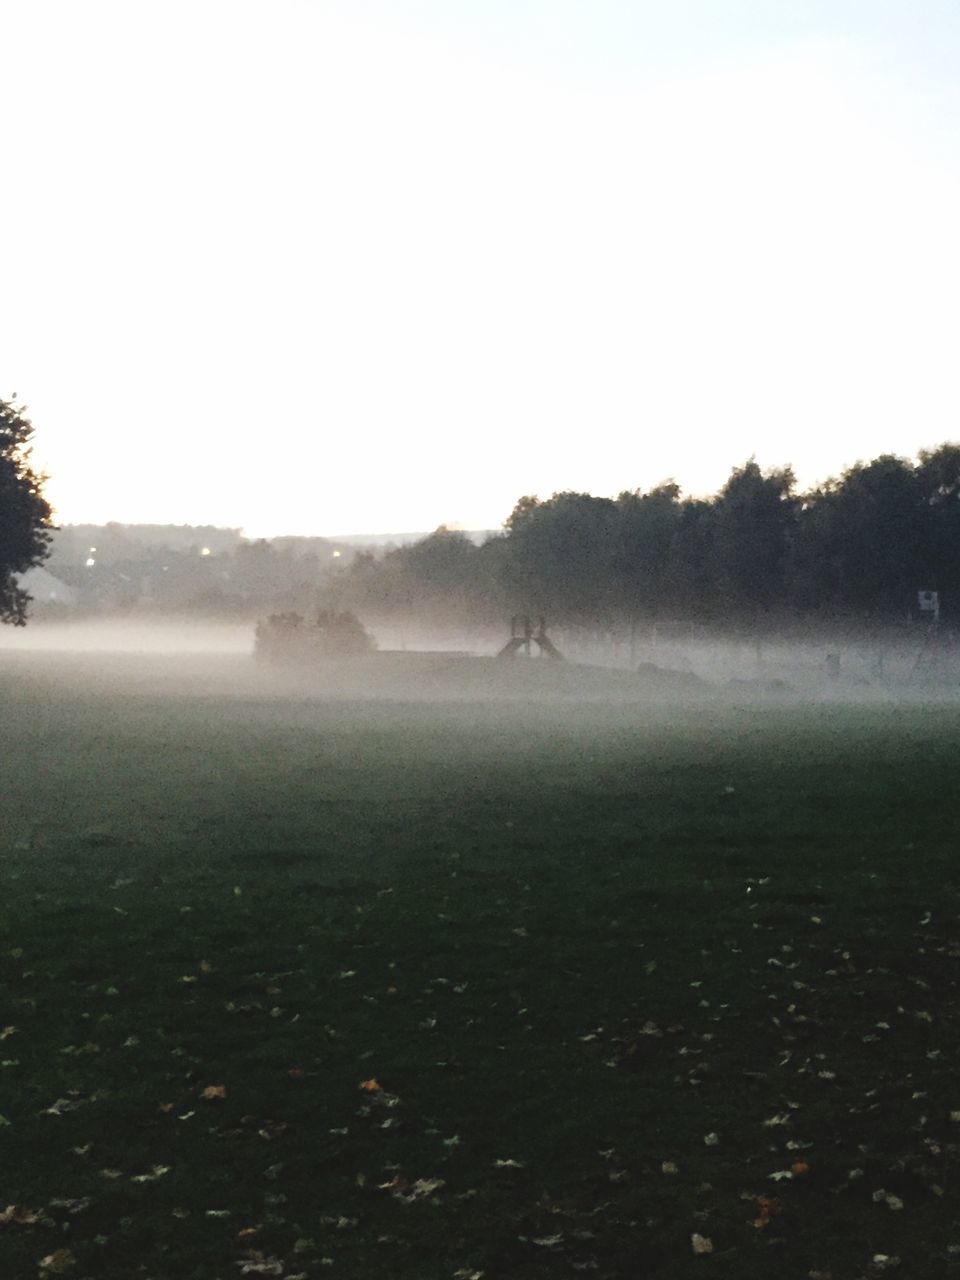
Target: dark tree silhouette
[(647, 531), (753, 517), (562, 556), (24, 512), (863, 541), (938, 480)]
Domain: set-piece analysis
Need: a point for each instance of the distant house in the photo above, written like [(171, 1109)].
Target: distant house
[(44, 588)]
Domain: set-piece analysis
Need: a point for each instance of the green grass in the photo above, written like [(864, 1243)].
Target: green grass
[(573, 938)]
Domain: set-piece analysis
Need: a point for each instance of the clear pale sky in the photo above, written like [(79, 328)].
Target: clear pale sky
[(320, 266)]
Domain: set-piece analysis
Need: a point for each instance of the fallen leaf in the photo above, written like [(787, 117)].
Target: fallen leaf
[(395, 1184), (214, 1091), (371, 1085), (888, 1198), (701, 1244), (261, 1267), (767, 1206), (62, 1105), (73, 1206), (154, 1175), (426, 1186), (17, 1213), (58, 1262)]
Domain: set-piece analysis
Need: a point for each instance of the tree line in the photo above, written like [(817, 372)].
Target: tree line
[(856, 549)]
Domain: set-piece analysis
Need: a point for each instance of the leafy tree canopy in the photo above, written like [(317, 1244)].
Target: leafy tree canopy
[(24, 512)]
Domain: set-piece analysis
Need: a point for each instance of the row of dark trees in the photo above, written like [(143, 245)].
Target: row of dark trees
[(856, 549)]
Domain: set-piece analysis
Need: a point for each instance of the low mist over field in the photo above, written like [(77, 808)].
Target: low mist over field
[(108, 635), (424, 660)]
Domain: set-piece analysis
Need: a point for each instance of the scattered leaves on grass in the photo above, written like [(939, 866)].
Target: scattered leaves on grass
[(855, 1108)]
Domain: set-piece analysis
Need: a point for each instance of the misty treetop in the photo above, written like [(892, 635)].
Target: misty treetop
[(24, 512), (857, 548)]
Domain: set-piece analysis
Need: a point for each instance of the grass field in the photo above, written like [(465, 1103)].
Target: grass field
[(301, 986)]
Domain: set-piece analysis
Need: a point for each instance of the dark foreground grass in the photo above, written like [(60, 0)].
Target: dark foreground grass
[(303, 989)]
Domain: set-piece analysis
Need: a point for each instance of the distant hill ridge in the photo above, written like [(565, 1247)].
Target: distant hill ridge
[(404, 539), (184, 536)]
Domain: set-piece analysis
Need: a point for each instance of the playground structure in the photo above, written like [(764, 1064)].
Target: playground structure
[(523, 636)]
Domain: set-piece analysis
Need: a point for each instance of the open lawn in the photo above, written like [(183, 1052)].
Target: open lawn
[(303, 987)]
